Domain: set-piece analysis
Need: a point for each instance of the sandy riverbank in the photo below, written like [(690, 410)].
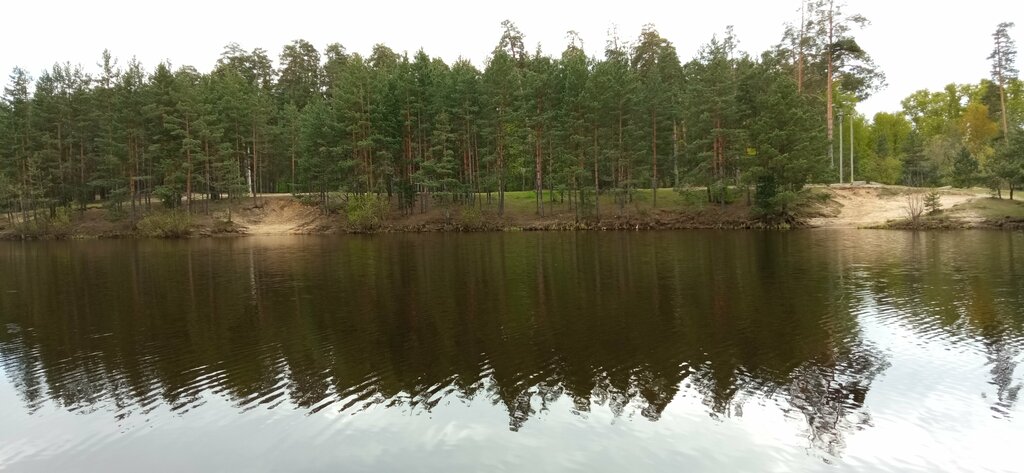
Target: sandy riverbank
[(875, 205)]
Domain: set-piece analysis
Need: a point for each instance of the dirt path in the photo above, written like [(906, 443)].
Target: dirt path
[(857, 206)]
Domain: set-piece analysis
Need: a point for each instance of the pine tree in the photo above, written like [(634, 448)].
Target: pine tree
[(1004, 66), (780, 128), (131, 96), (1008, 164), (323, 159), (713, 122), (613, 96), (574, 130), (165, 137), (21, 139), (825, 58), (464, 89), (108, 178), (300, 76), (658, 72), (502, 84), (540, 103)]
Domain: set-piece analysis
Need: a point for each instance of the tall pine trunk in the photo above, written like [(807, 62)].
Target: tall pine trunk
[(538, 162), (255, 164), (597, 181), (206, 172), (1002, 96), (828, 88), (675, 154), (188, 165), (81, 160), (654, 159)]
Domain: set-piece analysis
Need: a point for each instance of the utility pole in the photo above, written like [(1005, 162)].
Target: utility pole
[(840, 146)]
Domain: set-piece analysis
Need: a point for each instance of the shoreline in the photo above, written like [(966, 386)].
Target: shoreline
[(864, 206), (601, 226)]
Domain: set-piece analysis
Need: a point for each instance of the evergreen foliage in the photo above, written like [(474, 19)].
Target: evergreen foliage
[(420, 132)]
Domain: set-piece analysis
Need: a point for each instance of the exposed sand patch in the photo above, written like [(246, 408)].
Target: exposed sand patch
[(279, 215), (864, 205)]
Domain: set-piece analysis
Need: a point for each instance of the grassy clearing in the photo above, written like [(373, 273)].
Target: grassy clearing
[(523, 202), (994, 209)]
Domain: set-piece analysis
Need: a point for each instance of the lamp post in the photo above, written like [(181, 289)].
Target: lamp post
[(840, 146)]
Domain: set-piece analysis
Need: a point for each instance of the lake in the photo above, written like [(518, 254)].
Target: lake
[(815, 350)]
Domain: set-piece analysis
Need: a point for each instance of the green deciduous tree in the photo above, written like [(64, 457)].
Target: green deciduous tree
[(887, 140)]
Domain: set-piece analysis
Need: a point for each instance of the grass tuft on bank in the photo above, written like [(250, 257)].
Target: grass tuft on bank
[(167, 224)]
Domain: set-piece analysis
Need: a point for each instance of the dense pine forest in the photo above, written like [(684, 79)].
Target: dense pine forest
[(415, 132)]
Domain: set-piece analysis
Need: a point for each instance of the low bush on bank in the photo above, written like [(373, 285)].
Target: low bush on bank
[(57, 225), (471, 218), (174, 224), (784, 207), (365, 213), (941, 222)]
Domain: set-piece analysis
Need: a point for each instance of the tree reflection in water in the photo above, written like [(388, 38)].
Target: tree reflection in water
[(530, 323)]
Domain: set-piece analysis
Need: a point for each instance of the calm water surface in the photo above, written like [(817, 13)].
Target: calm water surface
[(665, 351)]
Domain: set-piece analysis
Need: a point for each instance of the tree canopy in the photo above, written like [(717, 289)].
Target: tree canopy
[(415, 128)]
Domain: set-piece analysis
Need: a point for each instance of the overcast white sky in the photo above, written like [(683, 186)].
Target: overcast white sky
[(918, 43)]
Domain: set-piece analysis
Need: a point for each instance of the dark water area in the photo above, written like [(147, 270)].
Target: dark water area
[(821, 350)]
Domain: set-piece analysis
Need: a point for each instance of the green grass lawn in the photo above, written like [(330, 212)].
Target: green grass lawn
[(993, 208)]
